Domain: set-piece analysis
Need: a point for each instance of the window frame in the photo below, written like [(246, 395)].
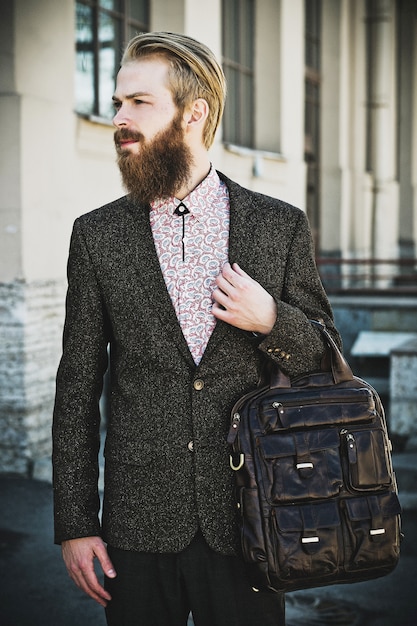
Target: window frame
[(243, 131), (126, 24)]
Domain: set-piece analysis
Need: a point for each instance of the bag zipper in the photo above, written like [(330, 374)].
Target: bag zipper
[(282, 405), (235, 422), (317, 399), (351, 446), (234, 428)]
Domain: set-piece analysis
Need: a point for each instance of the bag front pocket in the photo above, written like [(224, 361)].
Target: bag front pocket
[(297, 466), (372, 526), (301, 408), (367, 459), (309, 541)]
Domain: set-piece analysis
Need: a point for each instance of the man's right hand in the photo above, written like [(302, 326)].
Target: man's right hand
[(79, 555)]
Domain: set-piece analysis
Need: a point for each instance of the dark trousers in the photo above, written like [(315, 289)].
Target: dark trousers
[(161, 589)]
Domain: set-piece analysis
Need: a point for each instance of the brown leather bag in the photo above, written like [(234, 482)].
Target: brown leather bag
[(315, 487)]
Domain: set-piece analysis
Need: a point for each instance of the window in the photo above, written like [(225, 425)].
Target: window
[(238, 64), (312, 111), (103, 28)]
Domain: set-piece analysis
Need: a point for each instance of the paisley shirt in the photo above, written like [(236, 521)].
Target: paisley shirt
[(192, 248)]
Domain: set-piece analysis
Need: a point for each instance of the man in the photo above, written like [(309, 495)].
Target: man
[(194, 283)]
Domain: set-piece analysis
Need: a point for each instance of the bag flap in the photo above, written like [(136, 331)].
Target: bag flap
[(367, 507), (279, 445), (307, 517)]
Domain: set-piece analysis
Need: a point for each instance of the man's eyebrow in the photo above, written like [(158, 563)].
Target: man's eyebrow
[(132, 96)]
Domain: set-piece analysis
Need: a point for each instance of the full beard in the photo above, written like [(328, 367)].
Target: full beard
[(162, 166)]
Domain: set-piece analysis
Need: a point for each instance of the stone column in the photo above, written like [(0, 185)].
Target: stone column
[(382, 137), (36, 170)]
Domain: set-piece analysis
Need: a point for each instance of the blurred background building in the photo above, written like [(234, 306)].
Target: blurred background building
[(321, 112)]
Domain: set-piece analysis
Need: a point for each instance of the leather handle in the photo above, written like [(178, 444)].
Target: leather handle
[(341, 369), (333, 359), (279, 380)]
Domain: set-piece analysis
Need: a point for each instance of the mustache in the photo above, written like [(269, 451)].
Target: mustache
[(124, 134)]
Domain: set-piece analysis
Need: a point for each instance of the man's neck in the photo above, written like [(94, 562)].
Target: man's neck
[(199, 171)]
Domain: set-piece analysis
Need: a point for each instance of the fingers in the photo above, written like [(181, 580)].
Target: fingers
[(228, 294), (243, 302), (232, 276), (79, 555), (230, 282), (104, 560), (87, 580), (238, 270)]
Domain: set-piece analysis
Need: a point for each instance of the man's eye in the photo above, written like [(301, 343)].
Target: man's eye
[(137, 101), (117, 105)]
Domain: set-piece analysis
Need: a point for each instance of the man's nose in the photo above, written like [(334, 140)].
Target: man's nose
[(120, 118)]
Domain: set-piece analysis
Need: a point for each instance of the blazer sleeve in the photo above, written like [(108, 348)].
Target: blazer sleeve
[(76, 419), (294, 343)]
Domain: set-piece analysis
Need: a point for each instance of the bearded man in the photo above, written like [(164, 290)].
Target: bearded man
[(194, 283)]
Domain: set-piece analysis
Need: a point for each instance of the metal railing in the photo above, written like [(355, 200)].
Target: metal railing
[(369, 276)]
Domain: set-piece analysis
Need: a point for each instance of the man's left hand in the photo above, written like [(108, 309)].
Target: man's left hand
[(243, 302)]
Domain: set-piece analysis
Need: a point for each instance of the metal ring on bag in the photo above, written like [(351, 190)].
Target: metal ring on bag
[(241, 462)]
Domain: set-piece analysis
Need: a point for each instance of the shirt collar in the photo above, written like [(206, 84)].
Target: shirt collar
[(197, 200)]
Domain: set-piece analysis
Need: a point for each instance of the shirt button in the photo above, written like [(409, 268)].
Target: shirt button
[(198, 384), (190, 446)]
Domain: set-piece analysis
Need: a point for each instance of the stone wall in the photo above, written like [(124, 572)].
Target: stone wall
[(403, 388), (31, 318)]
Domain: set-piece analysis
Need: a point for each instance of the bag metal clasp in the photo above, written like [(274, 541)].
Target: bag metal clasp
[(304, 466), (310, 539)]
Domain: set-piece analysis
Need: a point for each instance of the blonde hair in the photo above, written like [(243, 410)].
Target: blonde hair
[(194, 72)]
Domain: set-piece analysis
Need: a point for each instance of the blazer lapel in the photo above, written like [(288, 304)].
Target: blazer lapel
[(243, 221), (152, 282)]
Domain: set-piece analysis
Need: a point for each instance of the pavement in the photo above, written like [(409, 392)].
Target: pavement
[(35, 589)]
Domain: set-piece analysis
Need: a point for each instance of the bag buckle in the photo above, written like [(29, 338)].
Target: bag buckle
[(304, 466)]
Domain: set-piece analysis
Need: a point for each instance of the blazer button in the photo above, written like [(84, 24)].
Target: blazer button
[(198, 384), (190, 446)]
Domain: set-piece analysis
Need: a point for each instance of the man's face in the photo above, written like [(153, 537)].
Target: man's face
[(152, 155)]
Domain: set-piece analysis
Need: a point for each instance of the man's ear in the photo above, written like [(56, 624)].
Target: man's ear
[(197, 114)]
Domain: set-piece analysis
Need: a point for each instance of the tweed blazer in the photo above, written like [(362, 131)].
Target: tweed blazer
[(166, 457)]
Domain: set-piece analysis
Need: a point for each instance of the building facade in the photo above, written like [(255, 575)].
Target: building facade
[(321, 112)]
